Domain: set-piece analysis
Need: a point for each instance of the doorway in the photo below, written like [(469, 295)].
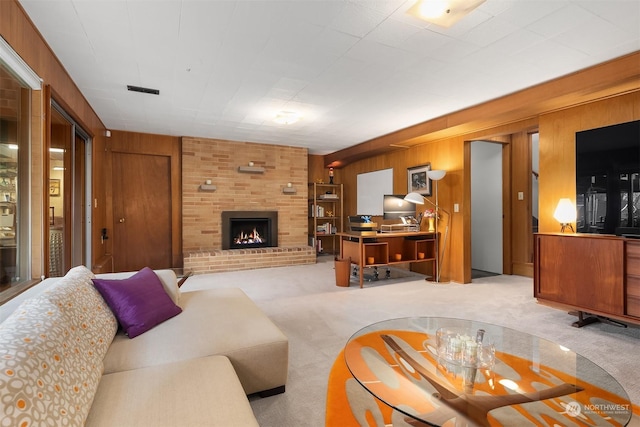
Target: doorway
[(486, 209), (69, 216), (142, 211)]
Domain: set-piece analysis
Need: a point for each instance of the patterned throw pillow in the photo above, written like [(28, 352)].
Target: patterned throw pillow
[(138, 302), (85, 309), (47, 376), (51, 352)]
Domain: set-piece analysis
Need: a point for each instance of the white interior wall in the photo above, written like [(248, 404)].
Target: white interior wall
[(486, 206)]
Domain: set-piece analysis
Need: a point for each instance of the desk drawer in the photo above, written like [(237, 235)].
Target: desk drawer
[(633, 259)]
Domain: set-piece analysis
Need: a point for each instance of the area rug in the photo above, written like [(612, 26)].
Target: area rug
[(349, 404)]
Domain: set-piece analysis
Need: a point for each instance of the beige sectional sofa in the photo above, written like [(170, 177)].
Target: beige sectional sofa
[(63, 360)]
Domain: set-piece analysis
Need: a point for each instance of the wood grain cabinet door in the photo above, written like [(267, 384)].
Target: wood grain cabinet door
[(633, 278), (584, 271)]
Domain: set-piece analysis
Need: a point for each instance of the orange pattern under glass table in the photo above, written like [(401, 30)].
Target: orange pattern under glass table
[(531, 381)]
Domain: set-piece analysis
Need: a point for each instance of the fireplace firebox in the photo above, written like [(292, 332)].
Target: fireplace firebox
[(249, 229)]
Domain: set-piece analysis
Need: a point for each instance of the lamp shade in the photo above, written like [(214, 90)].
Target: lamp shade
[(565, 212), (436, 175), (414, 197)]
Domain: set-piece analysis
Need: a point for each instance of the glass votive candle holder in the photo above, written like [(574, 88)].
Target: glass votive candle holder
[(449, 343), (462, 346), (486, 357)]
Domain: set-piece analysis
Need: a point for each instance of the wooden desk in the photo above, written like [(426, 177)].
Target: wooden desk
[(382, 249)]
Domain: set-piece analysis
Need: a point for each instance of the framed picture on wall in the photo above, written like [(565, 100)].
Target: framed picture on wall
[(54, 187), (418, 181)]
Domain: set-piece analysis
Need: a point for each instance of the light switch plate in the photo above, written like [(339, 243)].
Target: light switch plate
[(456, 207), (520, 195)]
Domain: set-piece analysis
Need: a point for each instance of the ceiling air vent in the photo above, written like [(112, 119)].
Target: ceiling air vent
[(143, 90)]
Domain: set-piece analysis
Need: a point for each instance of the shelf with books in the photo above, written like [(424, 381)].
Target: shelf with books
[(325, 216)]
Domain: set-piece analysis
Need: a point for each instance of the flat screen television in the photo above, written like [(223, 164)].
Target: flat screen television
[(608, 180), (394, 206)]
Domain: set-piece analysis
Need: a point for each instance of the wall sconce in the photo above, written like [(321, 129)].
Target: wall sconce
[(565, 214), (289, 189), (251, 168), (207, 186)]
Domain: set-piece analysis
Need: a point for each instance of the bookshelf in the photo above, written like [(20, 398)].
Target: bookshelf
[(325, 216)]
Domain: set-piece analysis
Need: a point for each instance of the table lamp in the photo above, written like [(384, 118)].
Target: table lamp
[(565, 214)]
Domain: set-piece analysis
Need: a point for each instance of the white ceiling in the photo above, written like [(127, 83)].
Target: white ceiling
[(354, 69)]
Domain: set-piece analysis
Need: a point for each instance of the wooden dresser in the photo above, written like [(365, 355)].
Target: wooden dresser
[(590, 274)]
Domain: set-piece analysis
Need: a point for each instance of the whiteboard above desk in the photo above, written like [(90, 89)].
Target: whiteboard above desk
[(371, 188)]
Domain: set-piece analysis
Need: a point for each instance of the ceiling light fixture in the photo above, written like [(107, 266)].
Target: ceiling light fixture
[(444, 13), (433, 8), (287, 117)]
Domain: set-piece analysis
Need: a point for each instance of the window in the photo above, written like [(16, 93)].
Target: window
[(16, 82)]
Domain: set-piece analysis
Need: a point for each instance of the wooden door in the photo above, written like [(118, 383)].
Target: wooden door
[(142, 236)]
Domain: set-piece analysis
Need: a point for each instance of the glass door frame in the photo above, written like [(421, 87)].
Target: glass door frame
[(79, 220)]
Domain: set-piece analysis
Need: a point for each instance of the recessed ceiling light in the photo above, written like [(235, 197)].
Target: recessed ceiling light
[(287, 117), (444, 13)]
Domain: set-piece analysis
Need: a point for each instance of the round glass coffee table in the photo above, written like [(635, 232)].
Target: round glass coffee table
[(435, 370)]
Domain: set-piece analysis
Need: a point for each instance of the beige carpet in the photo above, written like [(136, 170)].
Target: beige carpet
[(319, 317)]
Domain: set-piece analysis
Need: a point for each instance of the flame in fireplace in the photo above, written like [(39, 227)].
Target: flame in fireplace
[(248, 238)]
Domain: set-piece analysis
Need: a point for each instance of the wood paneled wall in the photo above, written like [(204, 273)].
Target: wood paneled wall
[(520, 180), (39, 191), (557, 147), (18, 30)]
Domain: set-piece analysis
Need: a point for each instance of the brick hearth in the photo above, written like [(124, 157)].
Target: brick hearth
[(217, 260)]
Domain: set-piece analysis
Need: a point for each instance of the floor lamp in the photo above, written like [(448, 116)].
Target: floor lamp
[(417, 198)]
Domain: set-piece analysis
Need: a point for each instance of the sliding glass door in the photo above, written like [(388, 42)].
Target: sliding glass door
[(68, 221)]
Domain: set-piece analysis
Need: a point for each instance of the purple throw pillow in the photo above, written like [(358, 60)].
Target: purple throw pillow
[(138, 302)]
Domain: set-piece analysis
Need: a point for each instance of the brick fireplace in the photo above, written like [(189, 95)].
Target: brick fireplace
[(249, 229), (219, 161)]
